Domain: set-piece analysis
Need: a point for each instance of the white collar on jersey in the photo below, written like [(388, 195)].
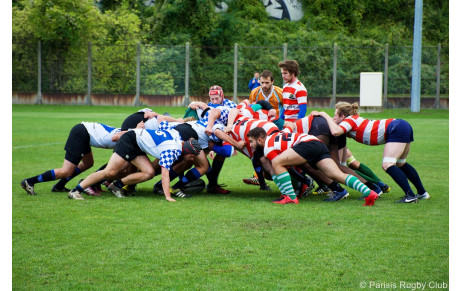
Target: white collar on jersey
[(269, 95)]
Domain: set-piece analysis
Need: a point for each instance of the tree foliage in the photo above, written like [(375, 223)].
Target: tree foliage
[(115, 27)]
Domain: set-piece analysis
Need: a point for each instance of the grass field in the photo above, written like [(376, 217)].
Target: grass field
[(213, 242)]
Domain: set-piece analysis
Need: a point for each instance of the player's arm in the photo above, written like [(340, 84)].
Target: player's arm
[(301, 96), (214, 114), (150, 114), (290, 125), (165, 184), (335, 129), (302, 110), (225, 137), (233, 113), (198, 104), (169, 119), (116, 136)]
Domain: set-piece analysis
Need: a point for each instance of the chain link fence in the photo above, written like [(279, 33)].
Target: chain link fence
[(144, 69)]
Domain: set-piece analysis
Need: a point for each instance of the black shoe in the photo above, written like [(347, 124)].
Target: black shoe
[(29, 188), (265, 188), (158, 188), (385, 188), (56, 189), (407, 199), (181, 194)]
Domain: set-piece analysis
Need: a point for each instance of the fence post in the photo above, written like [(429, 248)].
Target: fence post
[(385, 79), (438, 77), (284, 51), (39, 93), (88, 93), (138, 75), (416, 58), (235, 74), (187, 63), (334, 78)]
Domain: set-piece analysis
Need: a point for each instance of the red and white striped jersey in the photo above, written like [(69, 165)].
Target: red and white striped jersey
[(279, 142), (243, 104), (365, 131), (243, 125), (303, 125), (247, 111), (294, 94)]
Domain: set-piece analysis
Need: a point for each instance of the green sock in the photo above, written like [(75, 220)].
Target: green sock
[(286, 185), (353, 182), (368, 172), (275, 179), (366, 177)]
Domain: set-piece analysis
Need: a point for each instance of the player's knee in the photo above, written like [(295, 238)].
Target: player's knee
[(64, 172), (149, 173), (110, 173), (89, 164), (388, 162), (400, 162), (354, 165), (276, 163), (202, 169)]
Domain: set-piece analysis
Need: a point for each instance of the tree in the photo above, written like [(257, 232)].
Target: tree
[(62, 27), (178, 21)]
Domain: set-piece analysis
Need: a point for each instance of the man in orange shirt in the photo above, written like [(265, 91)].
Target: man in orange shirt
[(267, 91)]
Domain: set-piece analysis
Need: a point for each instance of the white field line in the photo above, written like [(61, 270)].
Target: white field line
[(36, 145)]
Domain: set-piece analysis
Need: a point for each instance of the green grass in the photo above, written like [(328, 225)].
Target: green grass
[(212, 242)]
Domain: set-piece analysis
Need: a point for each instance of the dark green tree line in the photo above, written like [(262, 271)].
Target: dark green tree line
[(114, 27)]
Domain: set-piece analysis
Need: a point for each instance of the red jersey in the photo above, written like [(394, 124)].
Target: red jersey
[(243, 125), (294, 95), (365, 131), (279, 142)]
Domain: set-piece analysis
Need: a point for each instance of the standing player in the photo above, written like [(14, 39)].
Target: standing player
[(78, 156), (294, 92), (395, 134), (286, 149), (268, 92)]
